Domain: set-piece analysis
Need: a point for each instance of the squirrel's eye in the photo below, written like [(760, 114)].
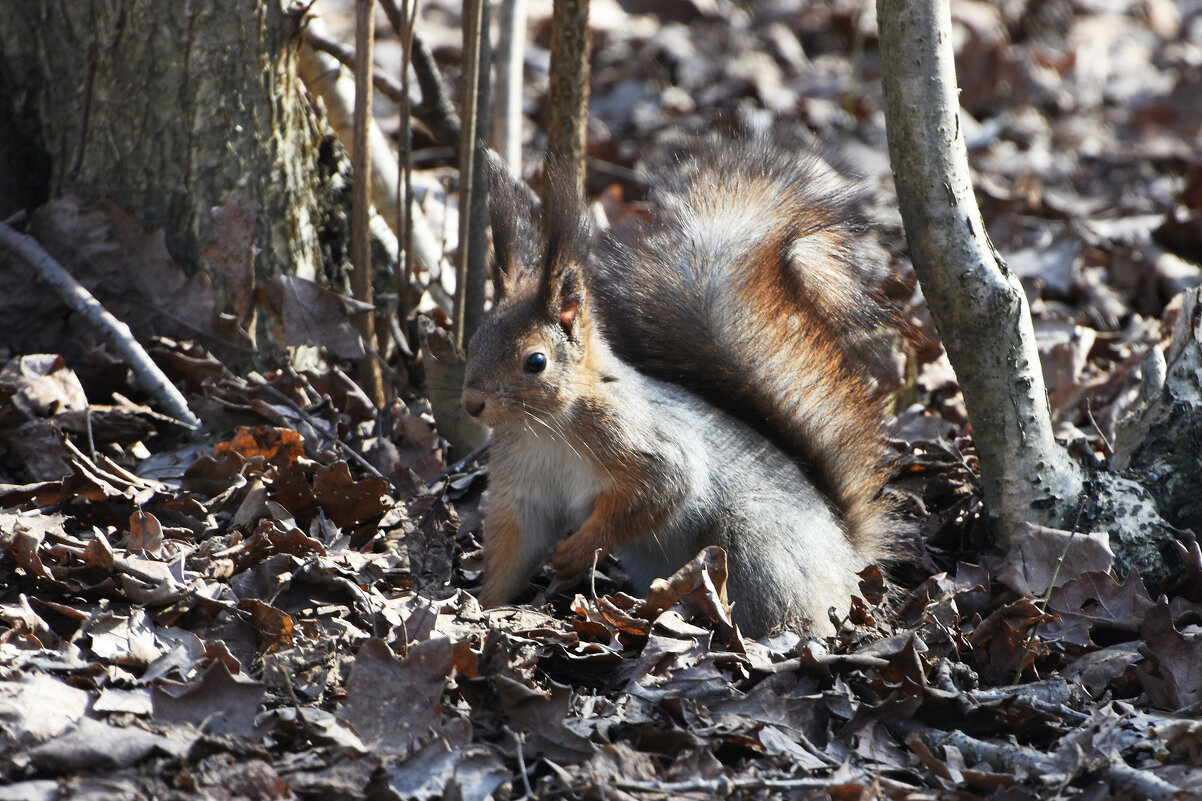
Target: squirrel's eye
[(535, 363)]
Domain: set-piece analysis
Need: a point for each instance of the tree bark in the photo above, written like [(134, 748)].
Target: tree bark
[(567, 126), (473, 174), (164, 108), (978, 305), (367, 370)]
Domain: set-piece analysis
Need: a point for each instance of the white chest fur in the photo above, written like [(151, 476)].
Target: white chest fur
[(552, 485)]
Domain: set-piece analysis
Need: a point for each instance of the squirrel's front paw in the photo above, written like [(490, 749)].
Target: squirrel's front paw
[(575, 555)]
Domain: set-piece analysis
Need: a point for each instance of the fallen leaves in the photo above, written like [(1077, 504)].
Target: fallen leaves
[(308, 312), (254, 607), (247, 603), (280, 606), (216, 701), (1172, 671)]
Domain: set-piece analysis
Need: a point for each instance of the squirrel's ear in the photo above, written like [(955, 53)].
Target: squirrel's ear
[(568, 312), (512, 207), (565, 300), (562, 291)]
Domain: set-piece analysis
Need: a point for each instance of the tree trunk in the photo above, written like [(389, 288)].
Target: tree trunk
[(985, 324), (571, 47), (473, 174), (978, 305), (165, 108)]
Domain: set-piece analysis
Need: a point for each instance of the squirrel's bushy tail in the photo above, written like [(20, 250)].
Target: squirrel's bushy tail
[(752, 292)]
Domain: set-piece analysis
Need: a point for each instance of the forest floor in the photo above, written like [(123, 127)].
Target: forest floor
[(280, 605)]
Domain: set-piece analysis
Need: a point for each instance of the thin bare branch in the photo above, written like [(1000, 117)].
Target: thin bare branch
[(405, 162), (361, 276), (567, 128), (473, 178), (324, 77), (114, 332)]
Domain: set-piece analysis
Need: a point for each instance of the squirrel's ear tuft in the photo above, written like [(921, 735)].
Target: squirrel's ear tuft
[(512, 208), (568, 310), (562, 290)]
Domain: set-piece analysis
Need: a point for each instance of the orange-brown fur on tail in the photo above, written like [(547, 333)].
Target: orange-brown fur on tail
[(754, 271)]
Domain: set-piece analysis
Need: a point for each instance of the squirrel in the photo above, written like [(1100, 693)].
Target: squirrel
[(702, 384)]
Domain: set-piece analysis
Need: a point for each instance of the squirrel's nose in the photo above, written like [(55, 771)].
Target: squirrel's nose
[(473, 402)]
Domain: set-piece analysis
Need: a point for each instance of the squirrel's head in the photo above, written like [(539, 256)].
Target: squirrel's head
[(529, 359)]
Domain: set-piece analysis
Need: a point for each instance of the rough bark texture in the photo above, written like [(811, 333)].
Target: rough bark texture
[(1163, 441), (368, 370), (978, 305), (1160, 446), (473, 173), (567, 126), (164, 108)]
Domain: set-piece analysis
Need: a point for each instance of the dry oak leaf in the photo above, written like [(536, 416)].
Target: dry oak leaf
[(232, 256), (609, 618), (278, 446), (145, 533), (1097, 599), (218, 702), (440, 770), (348, 502), (290, 488), (697, 588), (40, 385), (395, 704), (275, 628), (310, 314), (93, 744), (1034, 552), (21, 536), (36, 707), (1000, 642), (271, 538), (1172, 674)]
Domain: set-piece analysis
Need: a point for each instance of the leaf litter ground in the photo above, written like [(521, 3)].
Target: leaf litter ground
[(280, 605)]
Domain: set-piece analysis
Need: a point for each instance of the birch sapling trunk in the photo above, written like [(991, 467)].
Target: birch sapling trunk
[(510, 57), (978, 305)]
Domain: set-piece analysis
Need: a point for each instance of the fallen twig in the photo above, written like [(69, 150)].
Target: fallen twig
[(1122, 778), (115, 333), (458, 466), (722, 788)]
